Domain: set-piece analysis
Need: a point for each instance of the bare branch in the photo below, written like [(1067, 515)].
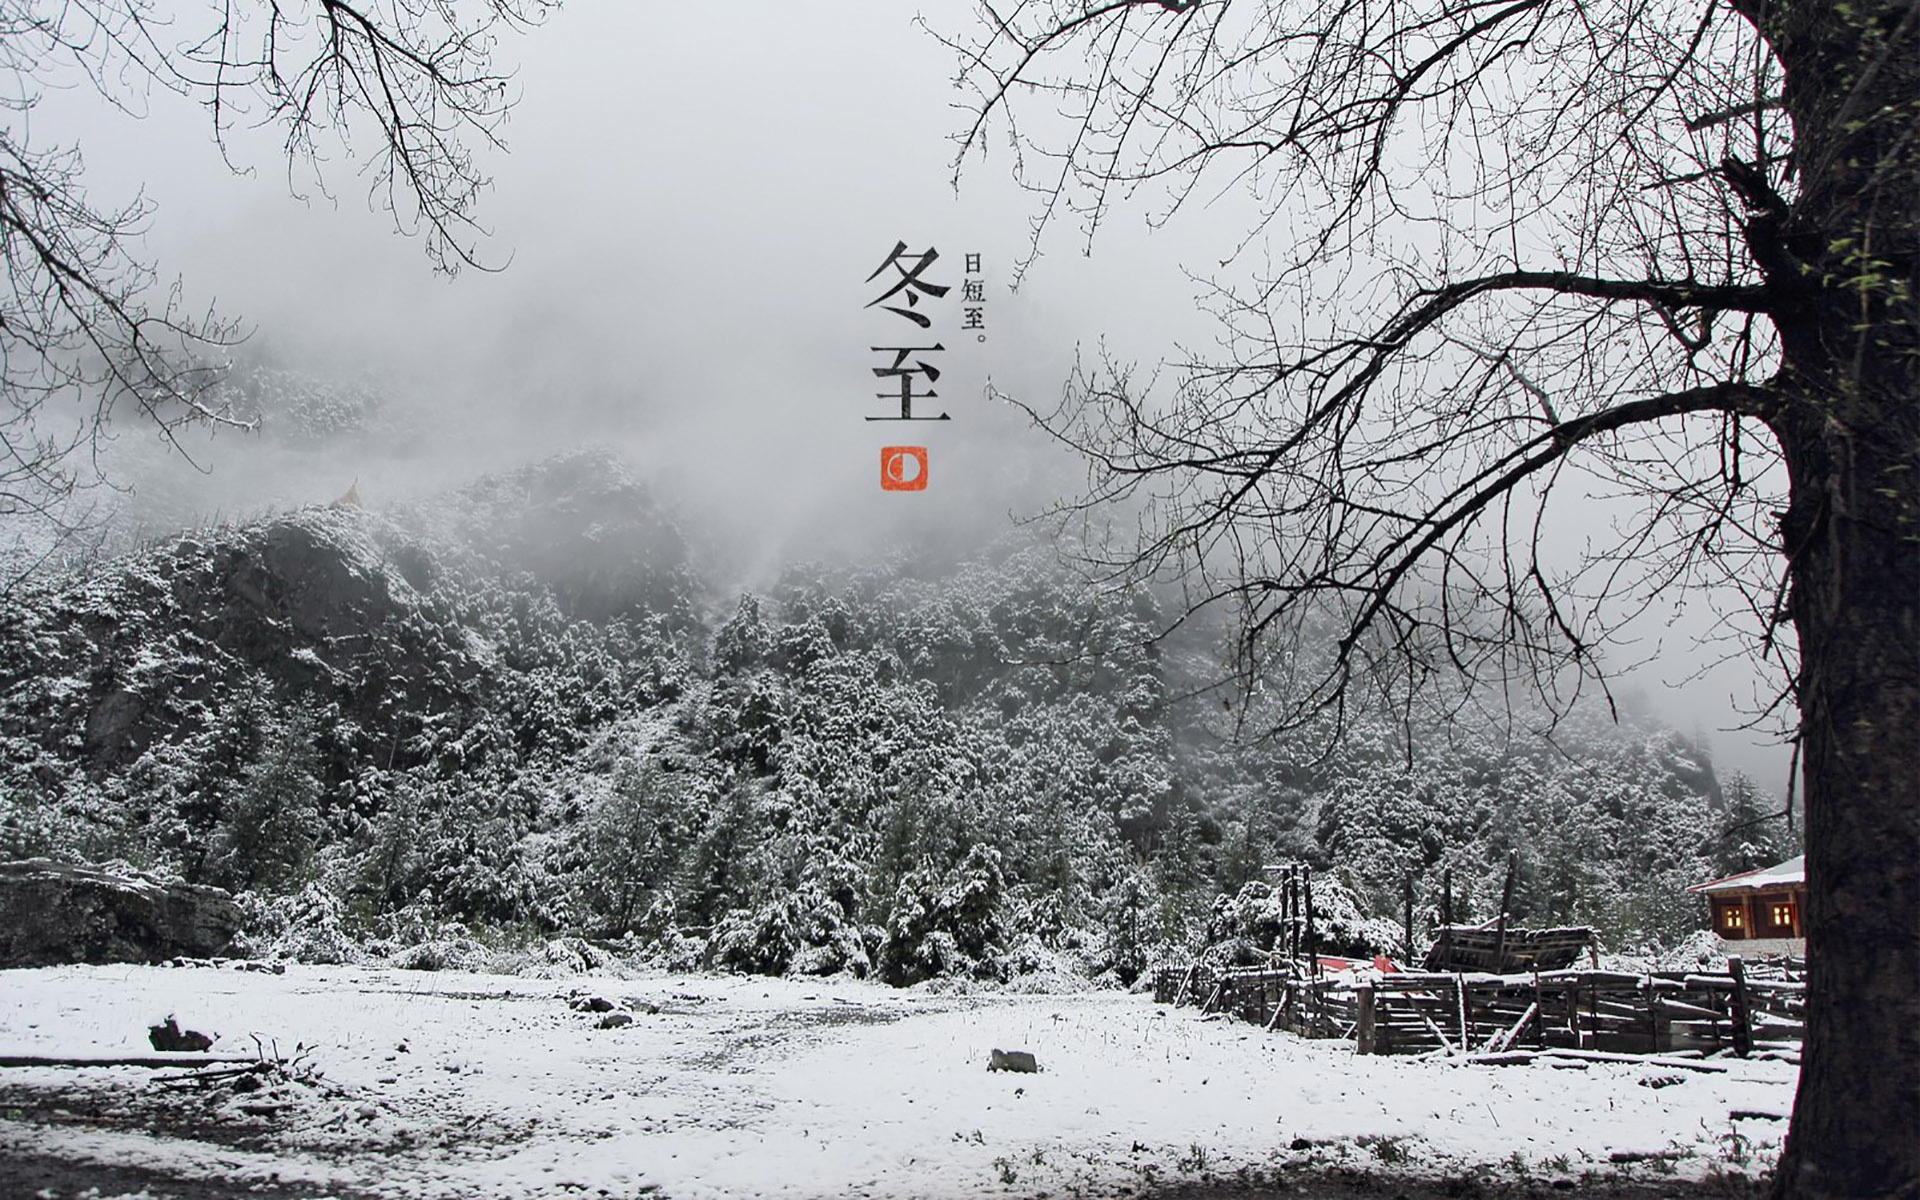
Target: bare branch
[(85, 328)]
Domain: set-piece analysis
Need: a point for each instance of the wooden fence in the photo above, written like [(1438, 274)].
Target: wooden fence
[(1476, 1013)]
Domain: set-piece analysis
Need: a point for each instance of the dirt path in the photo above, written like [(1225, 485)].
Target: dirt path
[(1383, 1185), (47, 1177), (1368, 1185)]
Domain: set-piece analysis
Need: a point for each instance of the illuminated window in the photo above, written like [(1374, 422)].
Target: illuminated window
[(1782, 915), (1733, 918)]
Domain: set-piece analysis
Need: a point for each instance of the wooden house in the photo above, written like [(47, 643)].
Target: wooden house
[(1765, 906)]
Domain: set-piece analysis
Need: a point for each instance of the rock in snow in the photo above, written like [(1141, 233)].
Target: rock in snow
[(168, 1037), (53, 913), (1012, 1060), (598, 1004)]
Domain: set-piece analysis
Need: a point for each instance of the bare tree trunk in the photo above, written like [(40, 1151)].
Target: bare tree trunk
[(1856, 1125), (1856, 1122), (1853, 539), (1843, 259)]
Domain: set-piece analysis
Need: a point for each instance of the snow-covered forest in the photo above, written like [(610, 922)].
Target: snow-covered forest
[(523, 708)]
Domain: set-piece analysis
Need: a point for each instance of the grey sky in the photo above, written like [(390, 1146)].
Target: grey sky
[(692, 198)]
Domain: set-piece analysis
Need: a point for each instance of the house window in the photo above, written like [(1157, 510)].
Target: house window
[(1781, 914), (1733, 919)]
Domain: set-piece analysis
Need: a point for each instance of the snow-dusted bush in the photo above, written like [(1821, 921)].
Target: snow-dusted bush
[(1131, 919), (676, 950), (575, 955), (1030, 965), (759, 941), (844, 952), (948, 926), (1342, 927), (1246, 926), (446, 954), (308, 926)]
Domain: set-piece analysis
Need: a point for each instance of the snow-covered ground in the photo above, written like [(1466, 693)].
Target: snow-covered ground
[(465, 1085)]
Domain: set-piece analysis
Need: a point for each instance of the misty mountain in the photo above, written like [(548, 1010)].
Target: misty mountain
[(516, 709)]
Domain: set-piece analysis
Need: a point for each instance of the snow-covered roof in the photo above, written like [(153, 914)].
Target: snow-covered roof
[(1787, 874)]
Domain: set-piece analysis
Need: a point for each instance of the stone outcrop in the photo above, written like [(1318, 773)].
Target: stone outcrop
[(53, 913)]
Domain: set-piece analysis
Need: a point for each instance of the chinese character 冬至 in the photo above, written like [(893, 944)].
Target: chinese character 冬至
[(908, 282), (905, 374)]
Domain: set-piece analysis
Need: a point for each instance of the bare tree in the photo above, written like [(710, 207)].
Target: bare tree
[(1654, 257), (405, 88)]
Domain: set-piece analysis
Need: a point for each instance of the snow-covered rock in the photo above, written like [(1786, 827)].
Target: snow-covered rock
[(53, 913)]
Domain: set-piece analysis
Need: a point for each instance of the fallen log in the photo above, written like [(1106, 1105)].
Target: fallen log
[(1514, 1057), (124, 1060)]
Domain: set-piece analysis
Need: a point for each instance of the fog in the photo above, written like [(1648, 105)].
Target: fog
[(690, 206), (691, 200)]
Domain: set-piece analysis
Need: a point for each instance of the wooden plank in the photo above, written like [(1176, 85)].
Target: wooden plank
[(1445, 1044), (1605, 1019), (1403, 980), (1184, 985), (1594, 978), (1280, 1009), (1500, 1041), (1679, 1008)]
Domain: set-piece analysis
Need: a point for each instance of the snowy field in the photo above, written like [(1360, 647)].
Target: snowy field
[(464, 1085)]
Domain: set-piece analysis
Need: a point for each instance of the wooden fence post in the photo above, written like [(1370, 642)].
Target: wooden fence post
[(1742, 1015), (1363, 1028), (1506, 902), (1290, 910), (1406, 900), (1313, 943)]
